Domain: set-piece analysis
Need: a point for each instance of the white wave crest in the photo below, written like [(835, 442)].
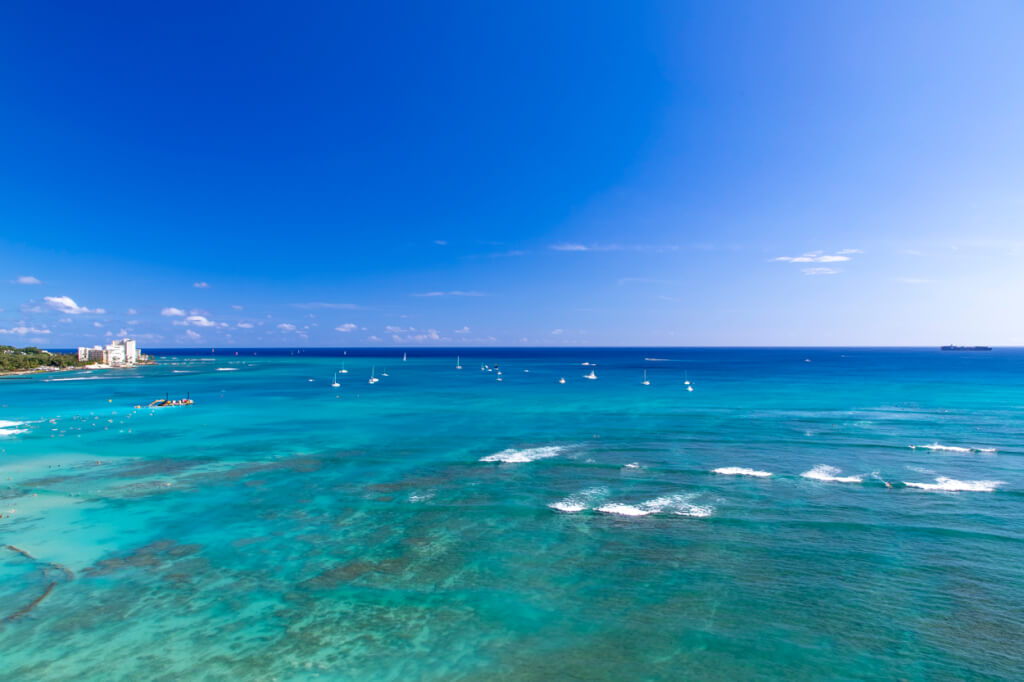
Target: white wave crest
[(580, 501), (227, 369), (950, 448), (741, 471), (632, 465), (951, 485), (513, 456), (680, 505), (5, 424), (4, 433), (824, 472)]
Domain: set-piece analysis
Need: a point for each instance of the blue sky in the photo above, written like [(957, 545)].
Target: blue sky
[(345, 174)]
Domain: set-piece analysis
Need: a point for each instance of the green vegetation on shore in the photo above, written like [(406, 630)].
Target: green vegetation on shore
[(22, 359)]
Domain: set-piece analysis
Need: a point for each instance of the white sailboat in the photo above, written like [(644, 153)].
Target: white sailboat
[(645, 382), (686, 376), (404, 356), (561, 380), (385, 372), (343, 370), (335, 384), (373, 378), (458, 362), (592, 375)]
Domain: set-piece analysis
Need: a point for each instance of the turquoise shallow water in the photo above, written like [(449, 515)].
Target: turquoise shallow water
[(443, 525)]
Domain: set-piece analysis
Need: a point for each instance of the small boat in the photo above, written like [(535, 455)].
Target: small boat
[(373, 378), (404, 356), (585, 364), (645, 382), (335, 384), (687, 377), (690, 389), (500, 379), (458, 362), (384, 373), (562, 380), (343, 370), (178, 402), (592, 375)]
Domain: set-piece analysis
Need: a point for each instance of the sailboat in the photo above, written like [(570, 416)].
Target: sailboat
[(561, 380), (384, 373), (686, 375), (592, 375), (335, 384), (645, 382), (404, 356), (373, 379), (458, 362), (343, 370)]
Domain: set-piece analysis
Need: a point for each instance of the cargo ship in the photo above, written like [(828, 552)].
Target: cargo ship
[(966, 348)]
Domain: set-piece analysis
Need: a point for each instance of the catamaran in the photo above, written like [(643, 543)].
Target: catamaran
[(373, 378)]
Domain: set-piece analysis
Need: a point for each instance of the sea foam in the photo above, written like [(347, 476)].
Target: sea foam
[(951, 485), (513, 456), (741, 471), (227, 369), (580, 501), (824, 472), (680, 505)]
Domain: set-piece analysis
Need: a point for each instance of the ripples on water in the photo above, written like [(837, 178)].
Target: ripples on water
[(859, 516)]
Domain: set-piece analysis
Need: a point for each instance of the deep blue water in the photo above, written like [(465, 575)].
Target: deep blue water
[(866, 520)]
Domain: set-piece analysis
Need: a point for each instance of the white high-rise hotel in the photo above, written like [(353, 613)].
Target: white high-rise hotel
[(117, 353)]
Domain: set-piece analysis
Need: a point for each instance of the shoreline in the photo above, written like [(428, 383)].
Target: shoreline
[(52, 370)]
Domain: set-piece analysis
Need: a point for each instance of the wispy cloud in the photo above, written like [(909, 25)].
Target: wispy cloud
[(200, 285), (22, 330), (286, 327), (27, 279), (420, 337), (173, 312), (347, 327), (914, 280), (320, 304), (642, 280), (556, 332), (820, 271), (577, 246), (440, 242), (245, 325), (430, 294), (820, 257), (194, 335), (464, 330), (67, 305)]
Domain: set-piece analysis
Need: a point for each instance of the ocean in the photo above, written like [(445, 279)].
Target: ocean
[(800, 514)]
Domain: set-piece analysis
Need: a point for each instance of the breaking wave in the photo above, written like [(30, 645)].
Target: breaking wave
[(824, 472), (227, 369), (741, 471), (580, 501), (513, 456), (679, 505), (950, 448), (951, 485)]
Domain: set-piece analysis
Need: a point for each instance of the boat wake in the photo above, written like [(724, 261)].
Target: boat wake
[(741, 471), (951, 485), (824, 472), (513, 456)]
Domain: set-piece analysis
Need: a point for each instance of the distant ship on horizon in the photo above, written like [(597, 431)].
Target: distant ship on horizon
[(951, 347)]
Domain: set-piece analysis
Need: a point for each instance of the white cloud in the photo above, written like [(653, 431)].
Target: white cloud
[(570, 247), (373, 338), (200, 285), (820, 271), (428, 335), (914, 280), (133, 311), (197, 321), (849, 251), (464, 330), (440, 242), (192, 334), (576, 246), (285, 327), (67, 305), (556, 332), (27, 279), (237, 307), (397, 330), (245, 325), (22, 330), (97, 324), (172, 312), (347, 327)]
